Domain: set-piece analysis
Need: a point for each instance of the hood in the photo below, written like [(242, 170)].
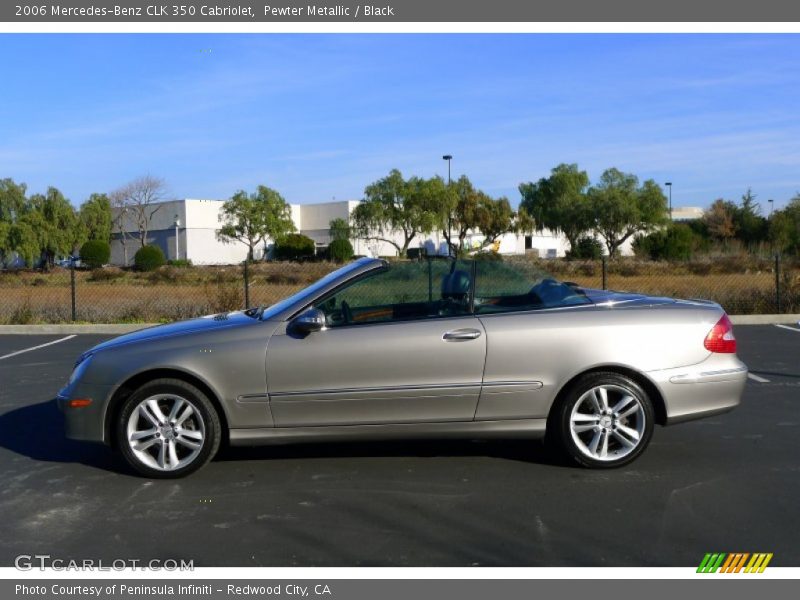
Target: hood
[(207, 323)]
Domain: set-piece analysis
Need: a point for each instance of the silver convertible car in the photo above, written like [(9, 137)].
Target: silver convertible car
[(432, 348)]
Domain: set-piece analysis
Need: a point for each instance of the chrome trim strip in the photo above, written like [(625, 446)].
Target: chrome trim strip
[(526, 383), (404, 388), (247, 398), (511, 428), (709, 376)]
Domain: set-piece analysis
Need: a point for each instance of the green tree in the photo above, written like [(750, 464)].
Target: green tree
[(294, 246), (751, 227), (12, 200), (784, 228), (23, 239), (12, 204), (340, 250), (494, 218), (719, 220), (676, 242), (622, 208), (587, 248), (56, 223), (392, 204), (339, 229), (559, 203), (470, 210), (252, 218), (95, 216), (5, 244)]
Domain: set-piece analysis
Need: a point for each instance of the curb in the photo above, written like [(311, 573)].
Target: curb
[(765, 319), (119, 328), (68, 328)]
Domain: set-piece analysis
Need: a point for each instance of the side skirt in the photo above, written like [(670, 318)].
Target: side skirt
[(512, 428)]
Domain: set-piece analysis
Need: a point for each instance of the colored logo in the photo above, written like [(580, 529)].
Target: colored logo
[(734, 563)]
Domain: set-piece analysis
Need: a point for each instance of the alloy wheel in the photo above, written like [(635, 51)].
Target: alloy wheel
[(165, 432), (607, 423)]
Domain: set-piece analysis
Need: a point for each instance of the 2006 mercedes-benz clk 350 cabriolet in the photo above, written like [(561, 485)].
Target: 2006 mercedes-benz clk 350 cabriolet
[(435, 348)]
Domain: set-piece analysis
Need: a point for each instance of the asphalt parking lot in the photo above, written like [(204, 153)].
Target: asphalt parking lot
[(729, 483)]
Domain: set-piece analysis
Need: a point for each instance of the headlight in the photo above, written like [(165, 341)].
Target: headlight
[(80, 367)]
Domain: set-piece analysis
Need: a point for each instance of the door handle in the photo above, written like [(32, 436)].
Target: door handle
[(460, 335)]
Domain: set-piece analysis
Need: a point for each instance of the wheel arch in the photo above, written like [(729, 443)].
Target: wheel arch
[(650, 388), (134, 382)]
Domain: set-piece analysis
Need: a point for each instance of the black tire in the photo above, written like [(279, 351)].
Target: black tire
[(560, 433), (203, 419)]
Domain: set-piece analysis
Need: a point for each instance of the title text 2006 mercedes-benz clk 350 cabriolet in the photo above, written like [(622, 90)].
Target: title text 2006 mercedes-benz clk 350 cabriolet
[(435, 348)]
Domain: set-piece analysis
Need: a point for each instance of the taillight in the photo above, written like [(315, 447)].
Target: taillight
[(720, 339)]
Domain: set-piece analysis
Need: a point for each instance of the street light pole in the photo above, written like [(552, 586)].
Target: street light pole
[(669, 185), (177, 239), (448, 158), (771, 205)]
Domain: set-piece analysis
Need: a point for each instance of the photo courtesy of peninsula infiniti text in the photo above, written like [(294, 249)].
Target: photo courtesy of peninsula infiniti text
[(436, 348)]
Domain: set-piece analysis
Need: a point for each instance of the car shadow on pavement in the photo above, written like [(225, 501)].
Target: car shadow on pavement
[(531, 451), (37, 431)]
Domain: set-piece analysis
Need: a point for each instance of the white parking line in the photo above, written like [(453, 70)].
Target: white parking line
[(757, 378), (787, 327), (64, 339)]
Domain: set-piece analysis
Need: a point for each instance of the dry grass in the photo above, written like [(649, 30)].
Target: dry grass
[(115, 295)]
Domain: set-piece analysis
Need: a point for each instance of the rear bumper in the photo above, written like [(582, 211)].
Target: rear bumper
[(86, 423), (708, 388)]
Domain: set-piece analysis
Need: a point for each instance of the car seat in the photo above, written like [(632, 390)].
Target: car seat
[(455, 291)]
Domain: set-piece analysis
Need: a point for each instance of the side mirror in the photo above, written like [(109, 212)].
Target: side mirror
[(309, 321)]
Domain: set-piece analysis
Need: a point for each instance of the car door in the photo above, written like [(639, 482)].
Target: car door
[(529, 318), (400, 346)]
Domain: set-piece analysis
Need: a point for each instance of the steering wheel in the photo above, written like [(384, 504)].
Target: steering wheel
[(347, 313)]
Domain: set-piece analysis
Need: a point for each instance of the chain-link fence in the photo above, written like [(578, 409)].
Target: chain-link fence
[(742, 285)]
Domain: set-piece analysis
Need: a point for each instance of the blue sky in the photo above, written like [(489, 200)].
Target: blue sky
[(321, 116)]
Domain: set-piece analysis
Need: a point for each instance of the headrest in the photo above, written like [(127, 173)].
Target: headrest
[(455, 285)]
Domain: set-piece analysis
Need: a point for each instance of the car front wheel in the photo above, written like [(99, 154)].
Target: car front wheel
[(605, 420), (167, 429)]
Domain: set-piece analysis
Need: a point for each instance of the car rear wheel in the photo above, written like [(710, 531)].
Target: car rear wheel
[(605, 420), (167, 429)]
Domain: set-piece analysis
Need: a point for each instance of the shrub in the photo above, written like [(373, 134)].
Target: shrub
[(587, 248), (149, 258), (294, 246), (488, 255), (95, 253), (674, 243), (181, 263), (283, 278), (167, 274), (341, 250), (106, 274), (223, 296)]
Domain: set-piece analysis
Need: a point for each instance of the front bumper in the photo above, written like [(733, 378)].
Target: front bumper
[(711, 387), (87, 423)]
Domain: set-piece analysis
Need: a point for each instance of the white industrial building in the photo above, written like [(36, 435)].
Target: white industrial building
[(187, 229)]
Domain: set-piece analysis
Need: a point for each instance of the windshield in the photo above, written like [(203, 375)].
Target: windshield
[(309, 292), (435, 288)]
